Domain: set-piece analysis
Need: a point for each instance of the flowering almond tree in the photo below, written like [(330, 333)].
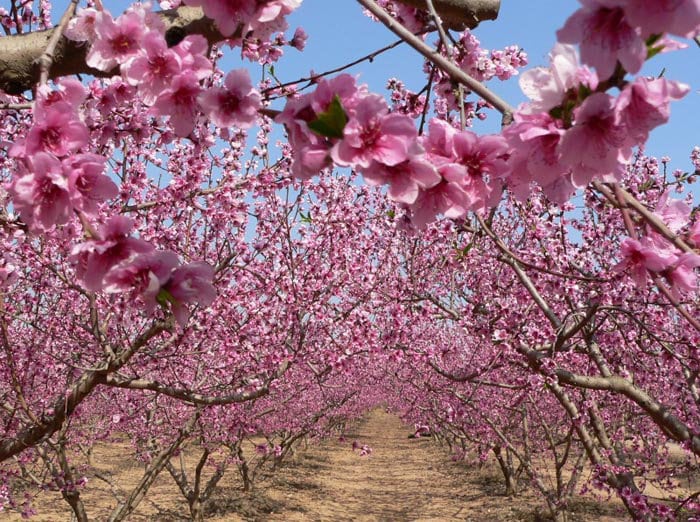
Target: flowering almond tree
[(172, 274)]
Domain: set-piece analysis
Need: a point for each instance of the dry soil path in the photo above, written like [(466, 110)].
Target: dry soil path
[(402, 479)]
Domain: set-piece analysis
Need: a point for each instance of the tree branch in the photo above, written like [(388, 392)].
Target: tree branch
[(461, 14), (20, 55), (457, 74), (66, 404)]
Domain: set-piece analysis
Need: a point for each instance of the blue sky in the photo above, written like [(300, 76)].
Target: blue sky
[(339, 32)]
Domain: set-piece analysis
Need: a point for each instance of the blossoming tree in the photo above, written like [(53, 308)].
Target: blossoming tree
[(154, 262)]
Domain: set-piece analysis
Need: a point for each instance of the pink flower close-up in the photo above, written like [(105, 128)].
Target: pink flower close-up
[(227, 14), (88, 185), (645, 104), (180, 102), (142, 276), (546, 87), (677, 17), (188, 284), (374, 135), (236, 104), (405, 179), (40, 194), (94, 258), (605, 36), (57, 130), (597, 146), (116, 40), (640, 257), (152, 70)]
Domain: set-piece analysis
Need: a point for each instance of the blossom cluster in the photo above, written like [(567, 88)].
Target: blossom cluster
[(55, 178), (653, 254), (572, 132), (168, 79), (115, 262)]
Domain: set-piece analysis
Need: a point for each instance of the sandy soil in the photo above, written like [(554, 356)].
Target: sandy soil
[(403, 479)]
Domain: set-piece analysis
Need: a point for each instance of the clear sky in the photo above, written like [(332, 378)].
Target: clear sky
[(339, 33)]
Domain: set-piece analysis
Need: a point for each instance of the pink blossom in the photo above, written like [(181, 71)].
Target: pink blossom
[(41, 194), (343, 86), (191, 283), (180, 102), (143, 276), (82, 27), (69, 92), (311, 151), (681, 275), (310, 159), (373, 135), (298, 41), (88, 185), (675, 213), (694, 233), (8, 271), (272, 9), (57, 131), (546, 87), (116, 40), (638, 257), (94, 258), (405, 179), (644, 105), (478, 168), (227, 14), (444, 198), (597, 145), (439, 141), (192, 51), (605, 36), (679, 17), (152, 70), (534, 142), (236, 104)]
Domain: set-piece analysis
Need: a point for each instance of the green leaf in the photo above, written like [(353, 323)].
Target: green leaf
[(330, 123)]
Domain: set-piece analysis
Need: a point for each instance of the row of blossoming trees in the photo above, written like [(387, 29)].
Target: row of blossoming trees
[(165, 280)]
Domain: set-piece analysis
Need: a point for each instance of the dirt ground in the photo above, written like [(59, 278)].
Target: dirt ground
[(403, 479)]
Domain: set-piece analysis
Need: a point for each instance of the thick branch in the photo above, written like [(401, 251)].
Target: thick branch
[(461, 14), (20, 54), (667, 421), (183, 394), (449, 68), (64, 406)]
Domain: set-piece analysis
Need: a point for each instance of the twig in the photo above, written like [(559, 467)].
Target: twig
[(46, 59), (657, 224), (15, 106), (313, 79), (443, 63)]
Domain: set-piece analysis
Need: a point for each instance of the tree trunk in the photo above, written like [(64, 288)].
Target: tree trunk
[(508, 473)]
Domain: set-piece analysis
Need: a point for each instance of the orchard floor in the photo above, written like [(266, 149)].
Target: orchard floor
[(403, 479)]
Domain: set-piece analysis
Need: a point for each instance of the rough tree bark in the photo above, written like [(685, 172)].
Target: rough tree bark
[(20, 54), (461, 14)]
